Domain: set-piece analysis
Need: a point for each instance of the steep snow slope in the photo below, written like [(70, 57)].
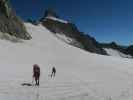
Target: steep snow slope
[(116, 53), (80, 75)]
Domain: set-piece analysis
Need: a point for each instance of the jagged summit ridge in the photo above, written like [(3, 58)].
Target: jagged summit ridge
[(50, 13), (54, 23)]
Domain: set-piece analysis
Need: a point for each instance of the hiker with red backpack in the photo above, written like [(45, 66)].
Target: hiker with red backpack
[(36, 73)]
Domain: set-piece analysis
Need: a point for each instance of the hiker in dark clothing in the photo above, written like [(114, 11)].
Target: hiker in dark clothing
[(53, 72), (36, 73)]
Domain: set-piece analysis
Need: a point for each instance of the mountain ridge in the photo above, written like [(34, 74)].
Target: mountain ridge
[(70, 30), (59, 26)]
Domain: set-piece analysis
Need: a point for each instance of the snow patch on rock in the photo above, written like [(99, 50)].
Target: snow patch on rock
[(114, 52), (57, 19)]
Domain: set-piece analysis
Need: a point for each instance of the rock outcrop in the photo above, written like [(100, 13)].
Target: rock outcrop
[(10, 23)]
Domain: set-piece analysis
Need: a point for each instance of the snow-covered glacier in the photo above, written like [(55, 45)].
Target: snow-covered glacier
[(80, 75)]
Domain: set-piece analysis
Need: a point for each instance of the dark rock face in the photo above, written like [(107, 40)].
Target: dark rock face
[(70, 30), (129, 50), (10, 23)]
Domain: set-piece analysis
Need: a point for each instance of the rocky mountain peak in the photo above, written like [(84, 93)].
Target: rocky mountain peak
[(50, 13), (10, 23)]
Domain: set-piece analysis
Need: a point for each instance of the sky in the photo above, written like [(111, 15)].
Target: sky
[(106, 20)]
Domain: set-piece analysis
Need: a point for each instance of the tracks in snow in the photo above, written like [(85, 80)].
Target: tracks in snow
[(47, 91)]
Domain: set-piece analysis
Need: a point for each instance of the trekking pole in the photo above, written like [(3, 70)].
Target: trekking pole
[(32, 80)]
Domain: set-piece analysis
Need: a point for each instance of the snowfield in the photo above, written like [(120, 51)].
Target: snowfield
[(80, 75)]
